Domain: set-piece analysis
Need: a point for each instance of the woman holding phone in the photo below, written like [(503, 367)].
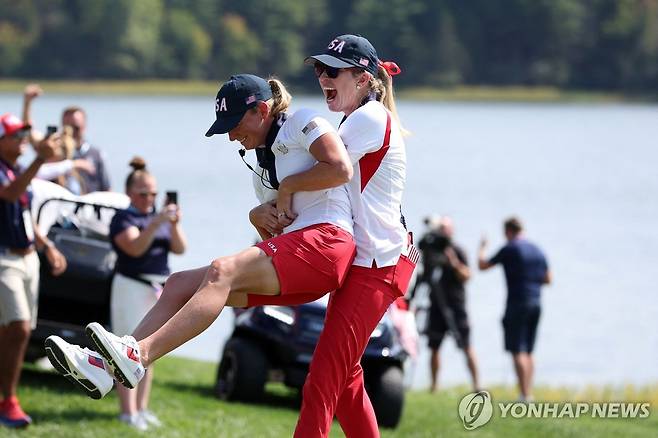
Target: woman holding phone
[(142, 238)]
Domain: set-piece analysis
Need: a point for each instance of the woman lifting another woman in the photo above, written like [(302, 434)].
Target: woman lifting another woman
[(309, 259)]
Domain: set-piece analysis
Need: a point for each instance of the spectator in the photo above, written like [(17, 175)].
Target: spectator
[(142, 239), (61, 168), (99, 181), (19, 264), (526, 270)]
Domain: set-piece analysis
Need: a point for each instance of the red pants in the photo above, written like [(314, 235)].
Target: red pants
[(334, 384)]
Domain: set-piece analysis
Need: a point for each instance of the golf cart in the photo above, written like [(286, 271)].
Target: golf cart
[(276, 343)]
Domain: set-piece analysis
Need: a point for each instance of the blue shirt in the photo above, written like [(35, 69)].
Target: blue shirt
[(525, 271), (12, 226), (156, 259)]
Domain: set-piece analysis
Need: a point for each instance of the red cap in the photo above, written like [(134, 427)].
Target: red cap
[(10, 124)]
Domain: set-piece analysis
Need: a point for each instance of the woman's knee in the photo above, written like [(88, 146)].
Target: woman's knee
[(181, 286), (222, 268)]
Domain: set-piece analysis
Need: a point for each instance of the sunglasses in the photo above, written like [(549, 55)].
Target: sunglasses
[(147, 194), (332, 72), (18, 134)]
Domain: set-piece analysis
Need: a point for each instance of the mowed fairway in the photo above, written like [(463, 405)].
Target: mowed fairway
[(182, 397)]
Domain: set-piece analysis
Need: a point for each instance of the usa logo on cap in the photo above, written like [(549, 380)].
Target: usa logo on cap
[(250, 99), (364, 62)]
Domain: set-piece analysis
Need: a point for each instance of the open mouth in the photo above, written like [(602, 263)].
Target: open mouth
[(330, 94)]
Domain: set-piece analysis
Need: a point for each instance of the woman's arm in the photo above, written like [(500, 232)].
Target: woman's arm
[(264, 219), (49, 171), (31, 92), (332, 170), (178, 242), (136, 243)]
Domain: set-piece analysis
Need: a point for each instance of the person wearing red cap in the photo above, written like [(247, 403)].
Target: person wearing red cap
[(355, 82), (19, 264)]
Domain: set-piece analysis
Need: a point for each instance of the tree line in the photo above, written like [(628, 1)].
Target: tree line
[(577, 44)]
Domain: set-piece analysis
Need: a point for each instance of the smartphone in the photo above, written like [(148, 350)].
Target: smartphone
[(172, 197), (50, 130)]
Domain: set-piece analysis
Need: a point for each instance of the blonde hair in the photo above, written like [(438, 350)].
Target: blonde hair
[(67, 148), (280, 97), (382, 86), (68, 142)]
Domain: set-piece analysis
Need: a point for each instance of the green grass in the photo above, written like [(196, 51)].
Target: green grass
[(206, 88), (182, 397)]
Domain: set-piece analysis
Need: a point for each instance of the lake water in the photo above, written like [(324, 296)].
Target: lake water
[(583, 178)]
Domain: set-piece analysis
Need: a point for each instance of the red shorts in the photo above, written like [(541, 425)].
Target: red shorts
[(309, 263)]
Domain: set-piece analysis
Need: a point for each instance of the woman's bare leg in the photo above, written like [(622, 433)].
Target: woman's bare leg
[(144, 391), (237, 299), (127, 399), (178, 290), (249, 271)]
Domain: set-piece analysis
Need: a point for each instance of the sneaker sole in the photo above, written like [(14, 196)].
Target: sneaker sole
[(15, 424), (97, 338), (58, 359)]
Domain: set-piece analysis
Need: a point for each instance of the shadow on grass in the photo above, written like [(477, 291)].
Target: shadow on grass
[(35, 378), (71, 415), (38, 380), (276, 397)]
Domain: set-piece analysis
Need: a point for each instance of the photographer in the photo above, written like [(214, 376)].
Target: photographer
[(19, 263), (447, 313)]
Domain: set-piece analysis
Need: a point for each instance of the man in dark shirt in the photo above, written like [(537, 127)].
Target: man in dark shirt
[(447, 312), (526, 270), (19, 264), (76, 118)]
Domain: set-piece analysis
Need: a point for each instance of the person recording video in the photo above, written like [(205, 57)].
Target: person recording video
[(446, 272)]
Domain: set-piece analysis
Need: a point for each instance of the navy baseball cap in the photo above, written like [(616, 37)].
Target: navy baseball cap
[(347, 51), (236, 96)]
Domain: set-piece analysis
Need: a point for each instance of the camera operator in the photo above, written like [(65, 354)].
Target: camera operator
[(447, 313)]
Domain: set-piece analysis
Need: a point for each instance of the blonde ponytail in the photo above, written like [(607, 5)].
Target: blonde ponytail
[(382, 85), (280, 97)]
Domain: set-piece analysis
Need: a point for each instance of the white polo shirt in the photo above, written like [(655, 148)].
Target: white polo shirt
[(375, 191), (291, 150)]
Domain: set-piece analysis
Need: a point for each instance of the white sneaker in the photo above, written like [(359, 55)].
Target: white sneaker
[(82, 366), (135, 420), (121, 353), (150, 418)]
